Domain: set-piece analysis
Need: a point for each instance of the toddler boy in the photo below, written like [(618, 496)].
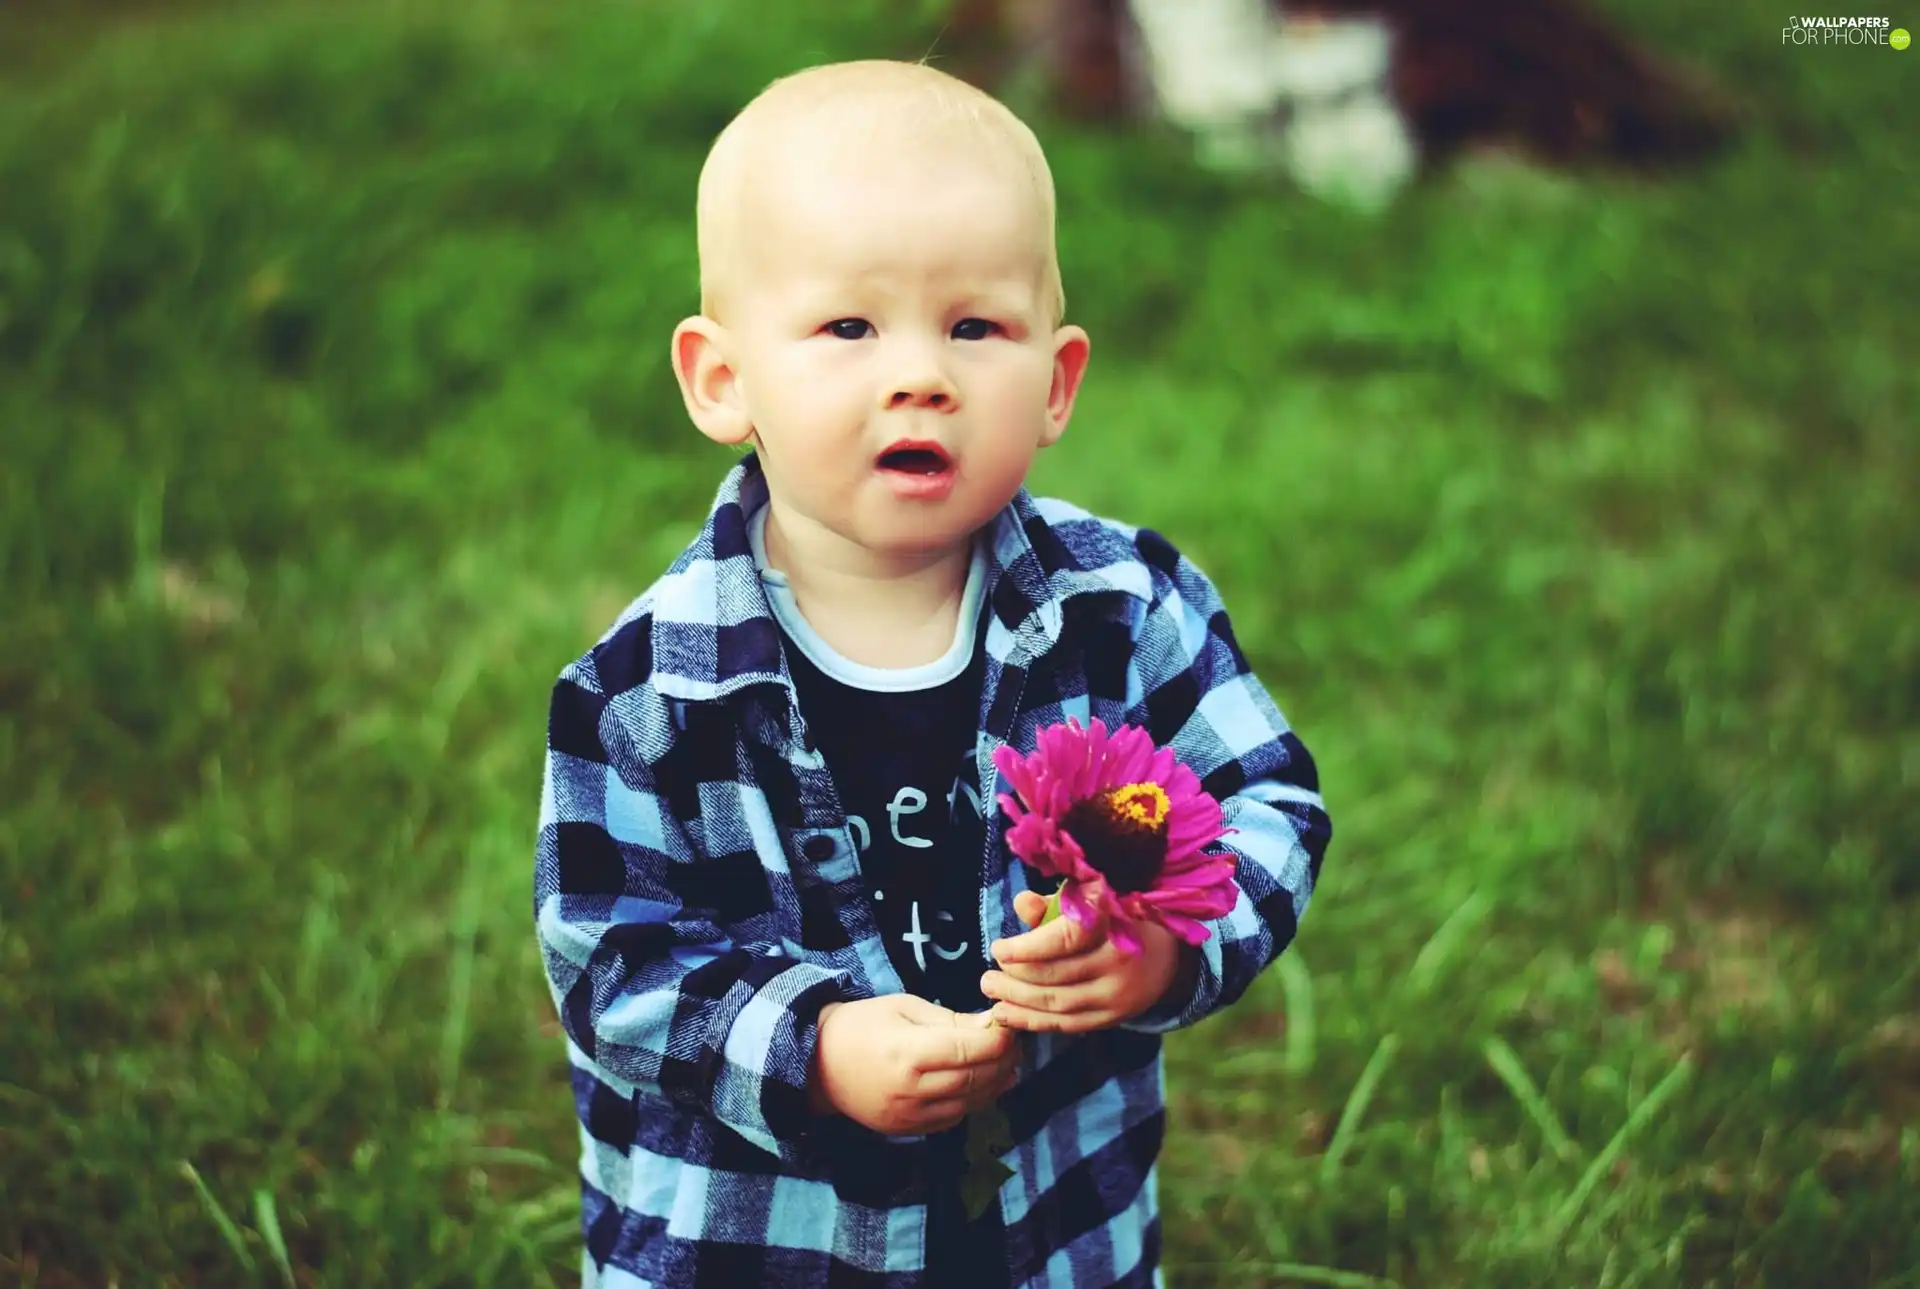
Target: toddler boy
[(771, 884)]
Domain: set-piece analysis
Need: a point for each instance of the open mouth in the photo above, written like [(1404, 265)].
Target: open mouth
[(916, 458)]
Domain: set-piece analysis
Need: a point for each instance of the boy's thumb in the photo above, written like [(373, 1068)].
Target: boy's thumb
[(1030, 907)]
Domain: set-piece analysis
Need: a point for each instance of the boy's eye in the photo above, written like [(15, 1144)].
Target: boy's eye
[(850, 328), (973, 329)]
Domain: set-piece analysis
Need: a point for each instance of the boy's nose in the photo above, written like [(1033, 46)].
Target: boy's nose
[(930, 389)]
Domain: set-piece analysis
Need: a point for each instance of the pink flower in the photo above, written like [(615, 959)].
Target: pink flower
[(1125, 825)]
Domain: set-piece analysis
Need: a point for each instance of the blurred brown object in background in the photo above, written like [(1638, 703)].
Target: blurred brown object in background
[(1547, 78), (1077, 48)]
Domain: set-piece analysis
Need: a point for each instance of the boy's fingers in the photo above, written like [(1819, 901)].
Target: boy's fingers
[(938, 1116), (1075, 970), (958, 1046), (972, 1083), (1061, 1000), (1057, 939), (1014, 1016), (920, 1011), (941, 1085), (989, 1092)]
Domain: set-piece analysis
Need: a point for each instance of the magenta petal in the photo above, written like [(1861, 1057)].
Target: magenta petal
[(1055, 749), (1075, 904), (1217, 871), (1089, 754), (1198, 901), (1043, 844), (1027, 840), (1182, 859), (1166, 770), (1060, 797), (1186, 836), (1196, 809), (1187, 929), (1123, 937), (1020, 774), (1178, 776), (1183, 786), (1129, 759), (1204, 870), (1184, 843)]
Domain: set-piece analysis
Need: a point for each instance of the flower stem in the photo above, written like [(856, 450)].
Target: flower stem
[(1053, 906)]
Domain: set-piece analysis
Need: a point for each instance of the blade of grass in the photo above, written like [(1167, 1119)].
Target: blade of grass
[(1297, 983), (148, 519), (1506, 1063), (546, 1215), (268, 1218), (228, 1231), (1642, 1114), (482, 1155), (1356, 1106), (1256, 1062), (448, 696), (1445, 940), (466, 931), (1903, 1280), (319, 930), (1298, 1272)]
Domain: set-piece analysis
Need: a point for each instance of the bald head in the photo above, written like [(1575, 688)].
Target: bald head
[(845, 122)]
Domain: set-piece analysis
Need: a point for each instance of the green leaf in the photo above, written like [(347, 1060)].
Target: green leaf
[(989, 1134), (981, 1183)]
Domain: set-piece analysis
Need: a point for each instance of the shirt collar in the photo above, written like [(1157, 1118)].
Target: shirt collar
[(712, 591)]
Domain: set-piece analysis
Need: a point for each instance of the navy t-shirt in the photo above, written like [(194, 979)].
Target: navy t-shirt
[(900, 746), (903, 767)]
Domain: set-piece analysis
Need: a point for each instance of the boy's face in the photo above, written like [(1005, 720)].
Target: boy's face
[(892, 347)]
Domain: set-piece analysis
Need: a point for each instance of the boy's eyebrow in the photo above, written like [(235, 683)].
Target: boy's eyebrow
[(1010, 297)]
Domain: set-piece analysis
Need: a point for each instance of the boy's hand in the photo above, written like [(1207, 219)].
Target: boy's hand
[(1062, 978), (901, 1065)]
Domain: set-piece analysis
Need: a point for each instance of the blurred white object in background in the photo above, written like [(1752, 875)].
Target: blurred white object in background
[(1346, 139), (1256, 87), (1209, 62), (1353, 98)]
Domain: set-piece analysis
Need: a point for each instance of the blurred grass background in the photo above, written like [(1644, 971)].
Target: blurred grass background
[(1570, 519)]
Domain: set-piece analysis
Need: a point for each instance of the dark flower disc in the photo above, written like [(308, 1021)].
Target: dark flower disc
[(1124, 835)]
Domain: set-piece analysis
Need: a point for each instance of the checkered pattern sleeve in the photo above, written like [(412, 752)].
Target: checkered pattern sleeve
[(1193, 690), (647, 983)]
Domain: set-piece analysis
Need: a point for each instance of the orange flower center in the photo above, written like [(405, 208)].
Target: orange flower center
[(1123, 834), (1144, 804)]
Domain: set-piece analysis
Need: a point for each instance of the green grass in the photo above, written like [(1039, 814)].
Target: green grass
[(1570, 520)]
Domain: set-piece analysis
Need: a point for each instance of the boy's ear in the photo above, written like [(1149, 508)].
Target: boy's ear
[(709, 383), (1071, 348)]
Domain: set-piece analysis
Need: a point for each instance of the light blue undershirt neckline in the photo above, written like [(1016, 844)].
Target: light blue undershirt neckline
[(880, 680)]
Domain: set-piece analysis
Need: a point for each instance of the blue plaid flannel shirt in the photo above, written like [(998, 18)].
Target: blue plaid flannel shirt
[(698, 901)]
